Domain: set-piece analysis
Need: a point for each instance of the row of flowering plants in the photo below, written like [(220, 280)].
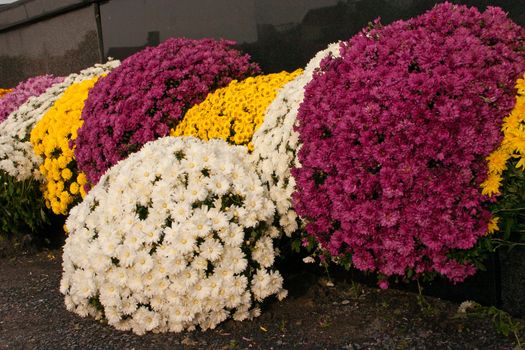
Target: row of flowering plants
[(22, 205), (184, 170)]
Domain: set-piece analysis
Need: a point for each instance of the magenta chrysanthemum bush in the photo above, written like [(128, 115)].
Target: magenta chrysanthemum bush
[(27, 88), (394, 155), (149, 94)]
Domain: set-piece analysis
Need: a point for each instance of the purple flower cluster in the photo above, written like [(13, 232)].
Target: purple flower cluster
[(395, 135), (27, 88), (149, 94)]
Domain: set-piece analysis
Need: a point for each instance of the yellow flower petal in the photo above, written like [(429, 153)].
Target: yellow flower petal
[(51, 138), (234, 112)]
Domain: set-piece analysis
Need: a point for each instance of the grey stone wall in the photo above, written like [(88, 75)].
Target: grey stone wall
[(22, 10), (279, 34), (58, 45)]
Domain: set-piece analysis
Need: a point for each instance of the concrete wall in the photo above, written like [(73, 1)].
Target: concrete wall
[(24, 10), (59, 45), (279, 34)]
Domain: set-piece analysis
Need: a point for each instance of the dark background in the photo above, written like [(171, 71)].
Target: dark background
[(64, 36)]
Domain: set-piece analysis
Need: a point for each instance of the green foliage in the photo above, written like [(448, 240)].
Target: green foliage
[(477, 255), (503, 322), (425, 307), (510, 209), (95, 302), (510, 206), (22, 207)]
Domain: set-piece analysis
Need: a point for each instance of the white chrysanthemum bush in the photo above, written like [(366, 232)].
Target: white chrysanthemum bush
[(276, 143), (175, 237), (22, 208)]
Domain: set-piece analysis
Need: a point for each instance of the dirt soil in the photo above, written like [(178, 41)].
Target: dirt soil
[(314, 316)]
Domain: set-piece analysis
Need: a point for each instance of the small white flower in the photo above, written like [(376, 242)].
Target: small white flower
[(201, 225), (83, 284), (200, 263), (99, 262), (126, 255), (213, 285), (263, 252), (309, 260), (184, 242), (109, 246), (224, 273), (112, 315), (134, 280), (235, 259), (145, 320), (467, 305), (211, 249), (180, 211), (283, 293), (128, 306), (150, 234), (233, 235), (189, 277), (178, 264), (239, 285), (218, 220), (201, 290), (118, 276), (255, 312), (196, 193), (143, 262), (123, 325), (218, 185), (109, 294)]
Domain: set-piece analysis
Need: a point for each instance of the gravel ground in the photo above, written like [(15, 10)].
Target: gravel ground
[(314, 316)]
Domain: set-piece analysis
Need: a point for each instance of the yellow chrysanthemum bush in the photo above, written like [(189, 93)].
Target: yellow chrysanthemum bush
[(53, 139), (506, 176), (234, 112), (4, 91)]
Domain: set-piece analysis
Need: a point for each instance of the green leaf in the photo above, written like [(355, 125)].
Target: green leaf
[(296, 245)]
